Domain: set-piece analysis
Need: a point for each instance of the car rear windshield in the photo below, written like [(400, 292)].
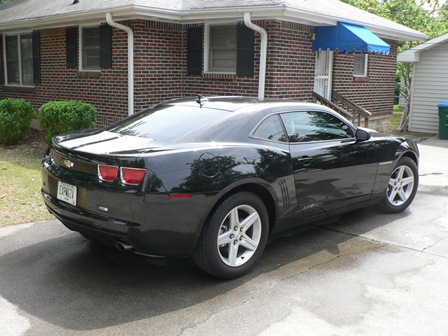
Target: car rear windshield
[(167, 123)]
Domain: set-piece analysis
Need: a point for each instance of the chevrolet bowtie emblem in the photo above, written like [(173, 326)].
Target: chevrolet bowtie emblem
[(68, 164)]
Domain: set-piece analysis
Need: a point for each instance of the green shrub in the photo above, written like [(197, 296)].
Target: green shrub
[(58, 117), (15, 120)]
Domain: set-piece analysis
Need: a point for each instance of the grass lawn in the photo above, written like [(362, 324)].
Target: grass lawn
[(20, 182)]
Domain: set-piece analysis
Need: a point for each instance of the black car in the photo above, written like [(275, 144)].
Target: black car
[(214, 178)]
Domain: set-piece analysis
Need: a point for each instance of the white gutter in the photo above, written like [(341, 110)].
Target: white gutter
[(263, 53), (128, 30)]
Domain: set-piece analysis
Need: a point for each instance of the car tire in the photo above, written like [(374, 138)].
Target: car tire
[(402, 186), (234, 237)]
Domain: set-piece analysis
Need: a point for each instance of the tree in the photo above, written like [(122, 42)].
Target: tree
[(427, 16)]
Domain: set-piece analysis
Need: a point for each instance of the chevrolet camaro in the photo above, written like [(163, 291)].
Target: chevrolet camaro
[(214, 178)]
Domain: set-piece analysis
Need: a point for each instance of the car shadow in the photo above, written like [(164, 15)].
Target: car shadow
[(79, 285)]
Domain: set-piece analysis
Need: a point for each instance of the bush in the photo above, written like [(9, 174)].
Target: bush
[(15, 120), (58, 117)]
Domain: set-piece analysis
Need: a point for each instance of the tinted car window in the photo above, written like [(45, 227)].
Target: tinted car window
[(167, 123), (314, 126), (271, 129)]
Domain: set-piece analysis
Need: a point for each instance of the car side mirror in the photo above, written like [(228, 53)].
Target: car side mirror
[(362, 135)]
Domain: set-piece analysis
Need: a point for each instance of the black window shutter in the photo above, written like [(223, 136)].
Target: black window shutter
[(71, 50), (105, 46), (245, 51), (36, 57), (195, 45)]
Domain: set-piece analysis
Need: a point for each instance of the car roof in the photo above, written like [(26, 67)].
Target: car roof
[(235, 103)]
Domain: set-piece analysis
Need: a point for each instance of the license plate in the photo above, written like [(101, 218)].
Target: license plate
[(67, 192)]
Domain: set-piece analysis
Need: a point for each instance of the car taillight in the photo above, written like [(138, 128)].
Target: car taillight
[(132, 176), (107, 173)]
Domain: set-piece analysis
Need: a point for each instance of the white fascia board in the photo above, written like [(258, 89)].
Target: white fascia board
[(66, 20), (409, 56), (205, 15)]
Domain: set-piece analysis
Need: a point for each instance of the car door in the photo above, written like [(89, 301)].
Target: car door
[(332, 170)]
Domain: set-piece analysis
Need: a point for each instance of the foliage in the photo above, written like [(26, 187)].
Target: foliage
[(20, 184), (15, 120), (58, 117), (427, 16)]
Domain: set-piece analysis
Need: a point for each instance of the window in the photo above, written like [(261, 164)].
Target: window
[(315, 126), (169, 123), (225, 49), (360, 65), (19, 59), (95, 47), (90, 48), (271, 129), (222, 48)]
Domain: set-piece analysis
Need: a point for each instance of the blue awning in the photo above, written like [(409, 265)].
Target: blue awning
[(348, 38)]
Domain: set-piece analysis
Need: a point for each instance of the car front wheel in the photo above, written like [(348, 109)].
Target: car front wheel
[(403, 184), (234, 238)]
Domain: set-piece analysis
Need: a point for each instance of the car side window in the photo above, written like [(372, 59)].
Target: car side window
[(314, 126), (271, 129)]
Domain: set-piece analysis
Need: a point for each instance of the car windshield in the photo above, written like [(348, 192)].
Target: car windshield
[(167, 123)]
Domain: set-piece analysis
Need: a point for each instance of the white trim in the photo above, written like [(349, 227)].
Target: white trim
[(81, 45), (130, 12), (207, 56), (366, 67), (329, 77), (206, 47)]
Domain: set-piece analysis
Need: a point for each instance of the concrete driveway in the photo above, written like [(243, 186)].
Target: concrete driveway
[(365, 274)]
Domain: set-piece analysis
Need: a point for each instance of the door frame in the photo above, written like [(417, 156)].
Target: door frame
[(324, 65)]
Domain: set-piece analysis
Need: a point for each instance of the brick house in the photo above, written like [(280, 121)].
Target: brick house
[(124, 55)]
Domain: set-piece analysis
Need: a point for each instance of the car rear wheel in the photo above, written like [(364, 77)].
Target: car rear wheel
[(234, 238), (403, 184)]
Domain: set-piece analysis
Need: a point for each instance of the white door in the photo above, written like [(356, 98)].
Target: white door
[(323, 73)]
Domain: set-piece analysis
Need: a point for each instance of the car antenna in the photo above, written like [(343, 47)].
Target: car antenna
[(201, 100)]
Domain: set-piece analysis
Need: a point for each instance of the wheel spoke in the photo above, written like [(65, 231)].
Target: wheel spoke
[(249, 243), (407, 180), (392, 182), (392, 195), (249, 221), (224, 238), (400, 172), (234, 218), (233, 254), (402, 195)]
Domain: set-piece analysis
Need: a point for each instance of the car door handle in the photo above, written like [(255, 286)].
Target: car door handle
[(305, 160)]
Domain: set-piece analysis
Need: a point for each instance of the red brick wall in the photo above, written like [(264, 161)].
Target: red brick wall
[(161, 71), (106, 90), (374, 93), (289, 70), (160, 62)]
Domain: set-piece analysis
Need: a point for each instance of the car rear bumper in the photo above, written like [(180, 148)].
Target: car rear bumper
[(169, 235)]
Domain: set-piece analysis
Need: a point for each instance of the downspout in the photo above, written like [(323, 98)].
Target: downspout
[(263, 53), (128, 30)]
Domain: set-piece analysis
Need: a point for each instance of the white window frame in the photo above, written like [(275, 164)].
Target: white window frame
[(366, 65), (19, 51), (207, 56), (81, 49)]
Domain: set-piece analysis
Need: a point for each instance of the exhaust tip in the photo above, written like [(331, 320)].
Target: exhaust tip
[(123, 247)]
